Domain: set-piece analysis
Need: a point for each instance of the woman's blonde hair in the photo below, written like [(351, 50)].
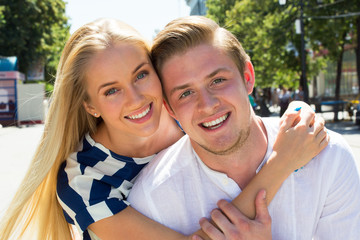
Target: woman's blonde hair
[(35, 207), (184, 33)]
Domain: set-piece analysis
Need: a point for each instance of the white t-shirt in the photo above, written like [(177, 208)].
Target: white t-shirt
[(320, 201)]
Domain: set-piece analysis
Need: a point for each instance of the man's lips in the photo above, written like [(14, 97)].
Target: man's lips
[(216, 123)]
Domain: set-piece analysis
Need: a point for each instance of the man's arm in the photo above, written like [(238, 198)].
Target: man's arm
[(235, 225)]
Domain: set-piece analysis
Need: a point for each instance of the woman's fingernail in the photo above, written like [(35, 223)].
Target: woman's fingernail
[(297, 109)]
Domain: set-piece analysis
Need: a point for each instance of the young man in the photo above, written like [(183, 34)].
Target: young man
[(206, 77)]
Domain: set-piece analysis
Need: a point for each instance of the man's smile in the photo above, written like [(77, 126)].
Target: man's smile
[(215, 123)]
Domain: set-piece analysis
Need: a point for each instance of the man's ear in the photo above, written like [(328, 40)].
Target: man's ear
[(249, 75), (169, 109)]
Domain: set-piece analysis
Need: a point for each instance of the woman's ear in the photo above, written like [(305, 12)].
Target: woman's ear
[(90, 109), (169, 109), (249, 75)]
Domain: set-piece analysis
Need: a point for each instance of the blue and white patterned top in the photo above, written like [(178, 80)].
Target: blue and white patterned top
[(94, 182)]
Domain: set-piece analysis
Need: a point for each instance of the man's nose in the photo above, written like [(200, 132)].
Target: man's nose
[(207, 101)]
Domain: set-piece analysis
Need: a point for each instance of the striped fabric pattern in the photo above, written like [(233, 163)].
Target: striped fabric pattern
[(94, 182)]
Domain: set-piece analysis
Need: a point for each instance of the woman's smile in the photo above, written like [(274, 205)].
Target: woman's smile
[(141, 115)]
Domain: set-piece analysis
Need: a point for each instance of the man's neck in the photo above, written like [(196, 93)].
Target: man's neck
[(240, 165)]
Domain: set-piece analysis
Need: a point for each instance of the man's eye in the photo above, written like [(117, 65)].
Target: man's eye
[(185, 94), (140, 76), (218, 80), (110, 91)]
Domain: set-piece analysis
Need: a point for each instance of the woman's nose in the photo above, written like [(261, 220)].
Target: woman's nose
[(134, 95)]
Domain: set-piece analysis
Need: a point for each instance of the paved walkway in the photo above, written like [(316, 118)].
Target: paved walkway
[(17, 146)]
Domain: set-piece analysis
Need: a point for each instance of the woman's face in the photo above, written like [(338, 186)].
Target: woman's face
[(124, 90)]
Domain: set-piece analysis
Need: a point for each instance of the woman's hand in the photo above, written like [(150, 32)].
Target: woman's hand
[(232, 224), (301, 137)]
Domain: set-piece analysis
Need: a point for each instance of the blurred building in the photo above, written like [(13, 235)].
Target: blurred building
[(197, 7), (323, 86)]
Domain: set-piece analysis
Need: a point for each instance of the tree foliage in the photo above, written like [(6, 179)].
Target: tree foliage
[(33, 30), (267, 31), (217, 9)]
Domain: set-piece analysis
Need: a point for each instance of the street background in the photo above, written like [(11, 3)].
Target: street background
[(18, 144)]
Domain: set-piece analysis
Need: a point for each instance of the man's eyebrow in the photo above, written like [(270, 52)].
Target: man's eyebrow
[(178, 88), (212, 74), (111, 83)]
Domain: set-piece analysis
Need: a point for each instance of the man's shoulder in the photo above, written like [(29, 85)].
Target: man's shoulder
[(272, 126), (271, 121), (335, 161), (167, 162), (338, 148), (161, 174)]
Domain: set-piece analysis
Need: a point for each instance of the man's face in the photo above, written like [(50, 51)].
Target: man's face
[(209, 98)]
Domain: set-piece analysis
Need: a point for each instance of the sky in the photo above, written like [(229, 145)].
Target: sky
[(146, 16)]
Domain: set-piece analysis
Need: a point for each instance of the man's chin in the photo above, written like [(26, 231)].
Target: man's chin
[(224, 150), (221, 149)]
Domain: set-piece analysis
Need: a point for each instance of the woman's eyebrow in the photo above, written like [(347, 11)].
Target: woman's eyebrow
[(135, 70), (105, 85), (139, 66)]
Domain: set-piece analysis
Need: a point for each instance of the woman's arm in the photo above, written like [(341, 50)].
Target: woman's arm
[(130, 224)]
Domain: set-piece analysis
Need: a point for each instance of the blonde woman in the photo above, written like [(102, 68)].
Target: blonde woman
[(105, 122)]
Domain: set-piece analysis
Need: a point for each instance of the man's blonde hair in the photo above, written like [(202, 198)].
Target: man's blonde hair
[(185, 33)]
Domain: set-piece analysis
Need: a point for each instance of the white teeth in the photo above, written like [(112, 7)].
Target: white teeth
[(140, 115), (215, 122)]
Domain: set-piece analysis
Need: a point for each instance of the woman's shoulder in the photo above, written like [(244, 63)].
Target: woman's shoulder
[(94, 161), (91, 152)]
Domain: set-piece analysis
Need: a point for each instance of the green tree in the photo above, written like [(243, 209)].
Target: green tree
[(217, 9), (33, 30), (267, 31), (256, 24)]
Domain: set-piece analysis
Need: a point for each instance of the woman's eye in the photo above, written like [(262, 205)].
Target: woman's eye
[(185, 94), (110, 91), (140, 76)]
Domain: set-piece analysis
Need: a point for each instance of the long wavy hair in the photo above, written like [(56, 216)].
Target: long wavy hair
[(34, 208)]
